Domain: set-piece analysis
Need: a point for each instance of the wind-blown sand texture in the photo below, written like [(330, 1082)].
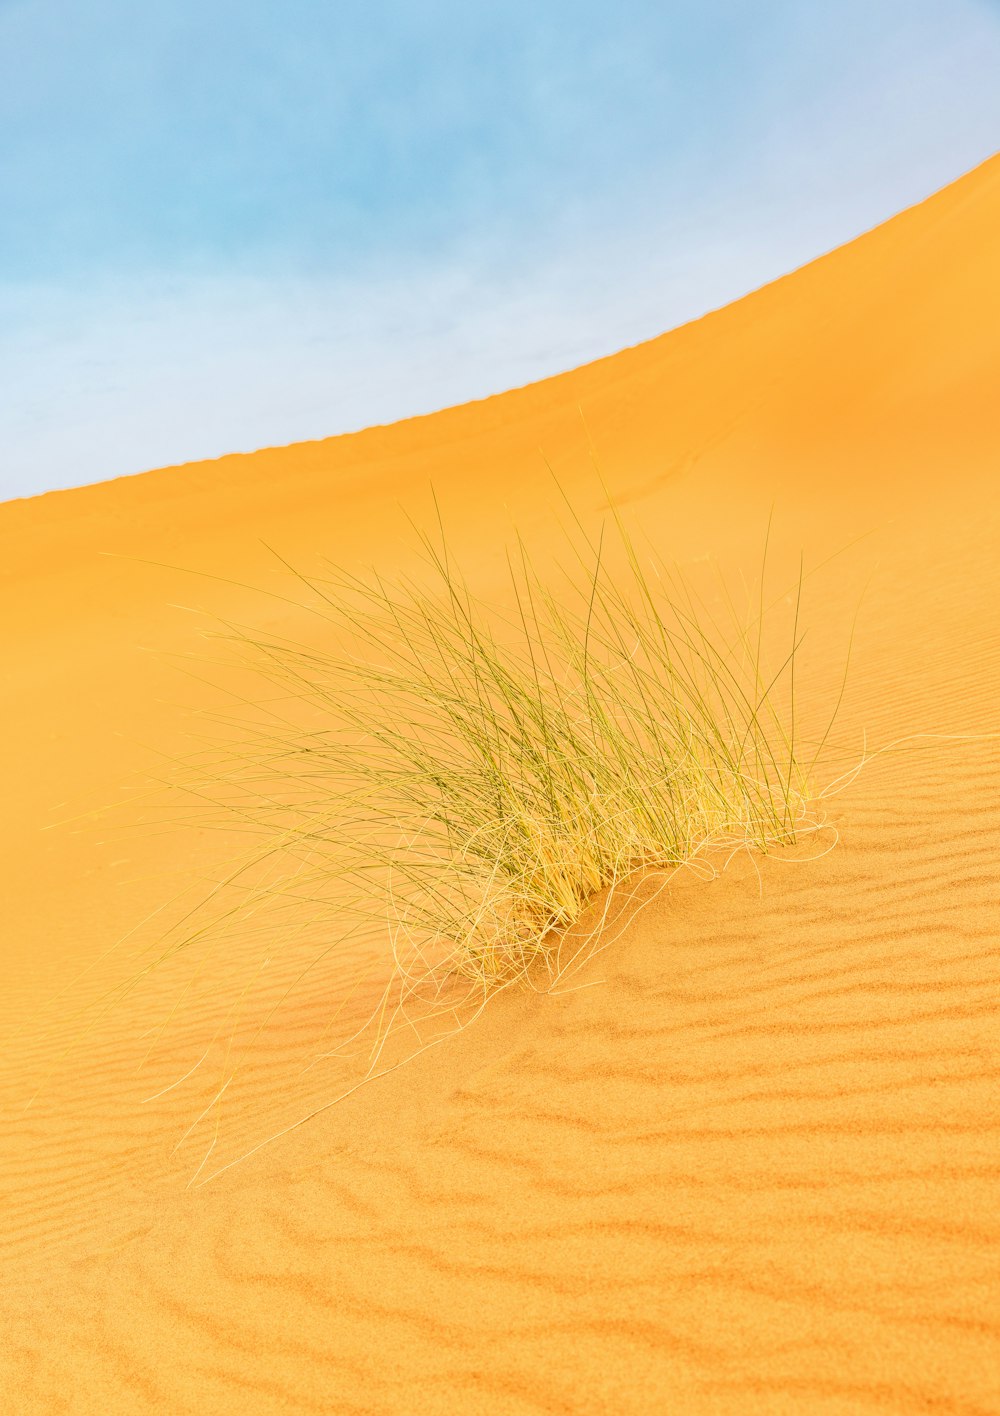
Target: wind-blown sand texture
[(756, 1169)]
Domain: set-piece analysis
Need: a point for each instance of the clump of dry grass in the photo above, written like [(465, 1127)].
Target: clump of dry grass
[(473, 774)]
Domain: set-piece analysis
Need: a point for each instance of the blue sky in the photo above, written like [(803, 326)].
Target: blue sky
[(225, 225)]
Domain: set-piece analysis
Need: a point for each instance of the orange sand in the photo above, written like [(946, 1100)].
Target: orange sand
[(756, 1169)]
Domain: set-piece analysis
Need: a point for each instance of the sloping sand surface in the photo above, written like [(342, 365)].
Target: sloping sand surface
[(755, 1168)]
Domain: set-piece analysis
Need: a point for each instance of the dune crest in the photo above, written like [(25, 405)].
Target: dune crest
[(754, 1167)]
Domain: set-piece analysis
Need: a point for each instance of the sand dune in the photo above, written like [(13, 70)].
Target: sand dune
[(756, 1168)]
